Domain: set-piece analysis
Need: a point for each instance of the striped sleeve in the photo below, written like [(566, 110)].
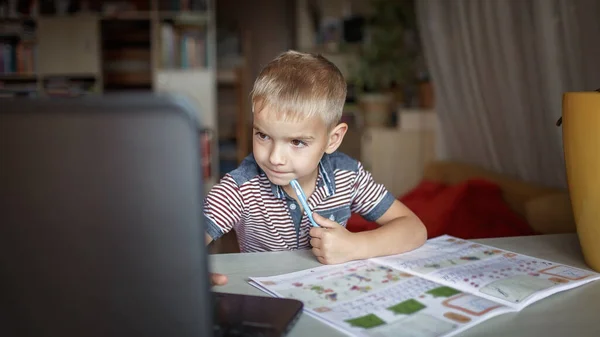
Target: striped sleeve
[(371, 200), (223, 207)]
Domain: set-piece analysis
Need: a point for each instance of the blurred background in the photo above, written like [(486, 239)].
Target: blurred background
[(439, 90)]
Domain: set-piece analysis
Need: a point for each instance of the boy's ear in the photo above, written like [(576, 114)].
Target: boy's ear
[(336, 135)]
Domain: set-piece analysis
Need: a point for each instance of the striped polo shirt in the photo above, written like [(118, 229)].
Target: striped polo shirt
[(266, 218)]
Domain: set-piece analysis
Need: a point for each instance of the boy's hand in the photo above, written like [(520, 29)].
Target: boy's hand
[(218, 279), (332, 243)]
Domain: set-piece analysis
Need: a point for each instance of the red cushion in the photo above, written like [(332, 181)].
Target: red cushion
[(471, 209), (357, 223)]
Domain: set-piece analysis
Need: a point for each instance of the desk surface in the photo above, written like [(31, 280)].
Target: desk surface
[(570, 313)]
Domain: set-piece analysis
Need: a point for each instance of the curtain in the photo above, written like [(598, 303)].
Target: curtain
[(499, 69)]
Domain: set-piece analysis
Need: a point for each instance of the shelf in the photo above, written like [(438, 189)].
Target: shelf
[(18, 88), (127, 16), (187, 5), (227, 76), (192, 17), (185, 71), (19, 19), (18, 77), (186, 18), (128, 79), (84, 15), (71, 76), (119, 88)]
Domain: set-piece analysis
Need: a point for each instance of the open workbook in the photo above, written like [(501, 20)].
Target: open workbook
[(444, 287)]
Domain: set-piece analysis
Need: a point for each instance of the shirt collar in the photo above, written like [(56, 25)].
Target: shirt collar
[(277, 191), (327, 175), (324, 179)]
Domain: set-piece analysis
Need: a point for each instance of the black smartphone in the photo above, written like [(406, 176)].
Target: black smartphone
[(249, 315)]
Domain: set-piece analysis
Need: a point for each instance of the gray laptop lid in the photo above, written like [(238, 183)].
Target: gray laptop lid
[(100, 220)]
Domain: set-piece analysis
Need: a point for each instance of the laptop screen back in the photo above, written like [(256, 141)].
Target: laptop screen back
[(101, 230)]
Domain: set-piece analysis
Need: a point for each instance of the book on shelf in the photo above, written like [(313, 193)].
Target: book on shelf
[(67, 86), (183, 5), (442, 288), (18, 88), (183, 47), (18, 58), (18, 48)]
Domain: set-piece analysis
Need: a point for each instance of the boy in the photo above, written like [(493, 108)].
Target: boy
[(297, 102)]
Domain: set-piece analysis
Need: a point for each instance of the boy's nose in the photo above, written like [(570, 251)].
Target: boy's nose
[(277, 157)]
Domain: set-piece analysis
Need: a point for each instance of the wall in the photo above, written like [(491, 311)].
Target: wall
[(396, 157)]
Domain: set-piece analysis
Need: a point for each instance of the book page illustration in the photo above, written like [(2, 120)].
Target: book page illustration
[(373, 300), (340, 284), (511, 278), (566, 273), (417, 325), (439, 254), (516, 288), (470, 304)]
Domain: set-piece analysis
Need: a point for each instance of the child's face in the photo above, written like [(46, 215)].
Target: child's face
[(287, 150)]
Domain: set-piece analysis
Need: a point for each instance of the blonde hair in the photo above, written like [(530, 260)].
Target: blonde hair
[(298, 85)]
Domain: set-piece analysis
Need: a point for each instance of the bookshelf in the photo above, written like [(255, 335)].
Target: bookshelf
[(126, 53), (234, 109), (184, 62), (18, 66), (94, 47), (49, 56), (68, 57)]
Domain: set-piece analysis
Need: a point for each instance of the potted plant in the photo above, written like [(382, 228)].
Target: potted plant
[(385, 64)]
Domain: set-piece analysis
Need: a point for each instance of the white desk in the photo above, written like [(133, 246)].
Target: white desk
[(573, 313)]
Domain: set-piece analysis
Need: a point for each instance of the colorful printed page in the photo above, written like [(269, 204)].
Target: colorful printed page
[(505, 277), (363, 298)]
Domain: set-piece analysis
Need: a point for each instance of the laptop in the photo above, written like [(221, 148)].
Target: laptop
[(101, 226)]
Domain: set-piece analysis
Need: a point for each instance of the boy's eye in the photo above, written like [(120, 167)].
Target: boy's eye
[(261, 135), (298, 143)]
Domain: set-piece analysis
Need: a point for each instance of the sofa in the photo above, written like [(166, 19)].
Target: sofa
[(547, 210)]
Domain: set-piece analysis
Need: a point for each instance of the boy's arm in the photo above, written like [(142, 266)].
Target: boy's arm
[(223, 208), (401, 229)]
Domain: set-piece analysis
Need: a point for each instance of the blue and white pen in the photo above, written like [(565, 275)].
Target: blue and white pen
[(302, 198)]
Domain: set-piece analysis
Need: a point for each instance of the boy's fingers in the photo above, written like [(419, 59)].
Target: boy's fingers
[(315, 232), (315, 242), (317, 252), (218, 279), (324, 222)]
